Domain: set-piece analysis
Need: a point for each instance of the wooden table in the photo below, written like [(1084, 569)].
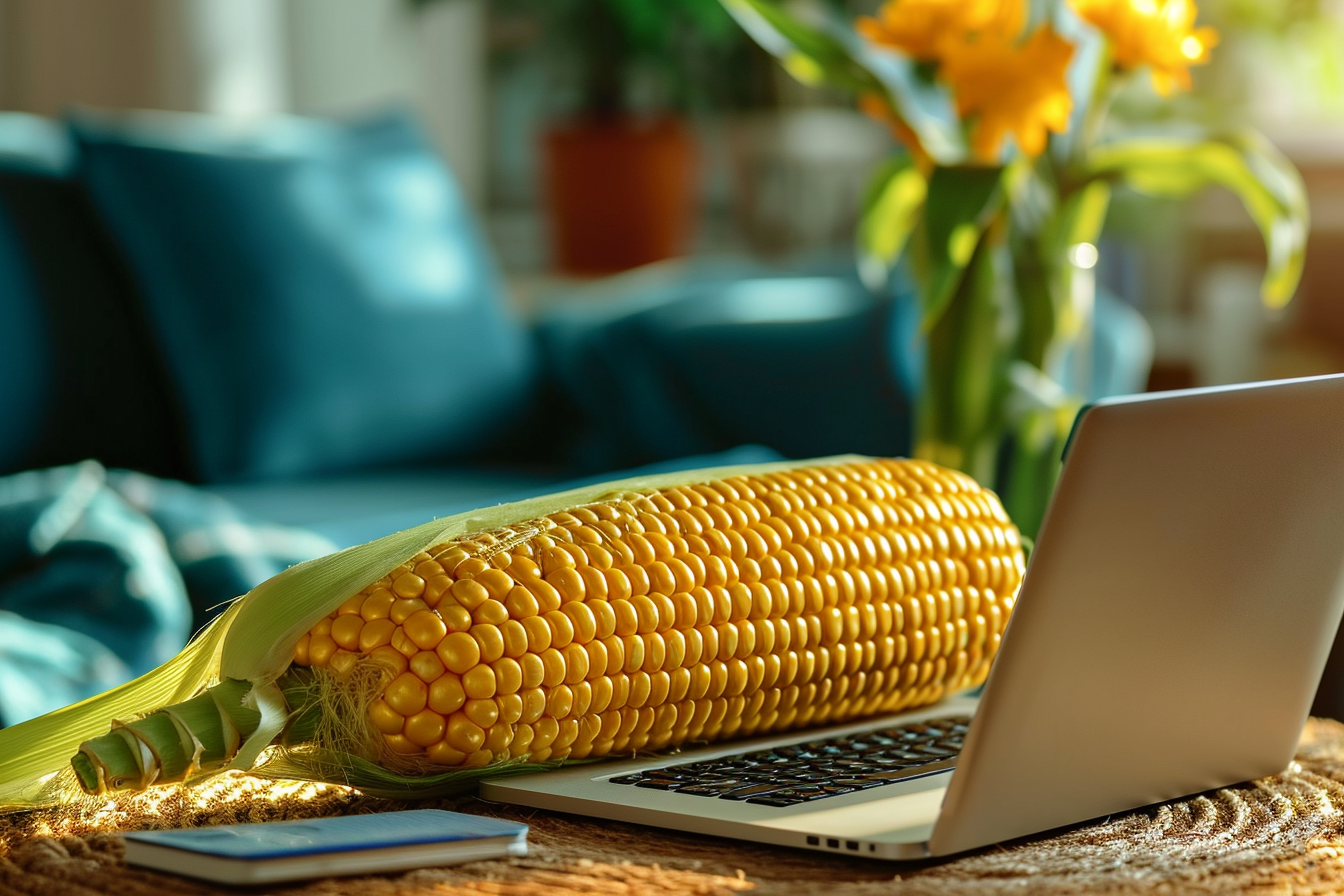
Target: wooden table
[(1280, 834)]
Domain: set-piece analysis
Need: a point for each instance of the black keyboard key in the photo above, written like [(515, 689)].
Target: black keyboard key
[(778, 802), (903, 774), (857, 783), (751, 791), (836, 790), (937, 752), (704, 789)]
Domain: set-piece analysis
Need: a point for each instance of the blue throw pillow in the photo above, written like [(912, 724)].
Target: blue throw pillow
[(25, 368), (80, 378), (319, 290), (807, 365)]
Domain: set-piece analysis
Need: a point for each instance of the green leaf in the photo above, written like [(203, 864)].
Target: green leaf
[(961, 202), (842, 59), (1081, 215), (809, 54), (1266, 182), (890, 212)]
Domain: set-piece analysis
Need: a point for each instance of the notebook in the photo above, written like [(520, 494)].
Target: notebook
[(272, 851), (1176, 615)]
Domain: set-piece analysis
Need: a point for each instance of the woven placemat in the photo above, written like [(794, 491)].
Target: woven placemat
[(1280, 834)]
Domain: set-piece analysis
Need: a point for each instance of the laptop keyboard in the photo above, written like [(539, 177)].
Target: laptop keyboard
[(787, 776)]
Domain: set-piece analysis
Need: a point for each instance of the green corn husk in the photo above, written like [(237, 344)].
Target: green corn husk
[(231, 694)]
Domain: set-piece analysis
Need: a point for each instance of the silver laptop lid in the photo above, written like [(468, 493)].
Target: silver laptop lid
[(1176, 615)]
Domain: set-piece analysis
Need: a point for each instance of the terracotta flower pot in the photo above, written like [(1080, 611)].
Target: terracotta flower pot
[(621, 193)]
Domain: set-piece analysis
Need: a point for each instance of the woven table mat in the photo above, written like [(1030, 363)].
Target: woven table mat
[(1281, 834)]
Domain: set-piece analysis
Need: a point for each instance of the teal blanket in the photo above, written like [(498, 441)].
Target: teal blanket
[(105, 574)]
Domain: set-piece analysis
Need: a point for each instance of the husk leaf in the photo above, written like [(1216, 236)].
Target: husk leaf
[(33, 753), (273, 616), (338, 767)]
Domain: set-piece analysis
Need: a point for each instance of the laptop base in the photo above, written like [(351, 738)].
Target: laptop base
[(890, 822)]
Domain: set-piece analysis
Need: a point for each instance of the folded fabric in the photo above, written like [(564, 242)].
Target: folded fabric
[(104, 575)]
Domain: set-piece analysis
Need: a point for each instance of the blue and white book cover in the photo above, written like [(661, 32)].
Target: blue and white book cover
[(283, 839)]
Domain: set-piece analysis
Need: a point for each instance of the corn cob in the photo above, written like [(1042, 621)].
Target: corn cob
[(694, 612)]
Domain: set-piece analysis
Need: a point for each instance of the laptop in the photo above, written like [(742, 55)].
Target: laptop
[(1176, 615)]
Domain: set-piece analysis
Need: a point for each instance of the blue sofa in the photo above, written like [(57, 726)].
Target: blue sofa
[(302, 316), (300, 319)]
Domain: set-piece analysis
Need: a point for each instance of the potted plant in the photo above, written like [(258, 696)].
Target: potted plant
[(618, 156)]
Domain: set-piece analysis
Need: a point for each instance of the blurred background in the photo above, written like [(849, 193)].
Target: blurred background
[(283, 297), (756, 164)]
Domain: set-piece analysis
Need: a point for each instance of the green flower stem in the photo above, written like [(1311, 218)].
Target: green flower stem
[(960, 421)]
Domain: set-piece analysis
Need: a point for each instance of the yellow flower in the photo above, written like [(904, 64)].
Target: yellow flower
[(1157, 33), (919, 28), (1010, 86)]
